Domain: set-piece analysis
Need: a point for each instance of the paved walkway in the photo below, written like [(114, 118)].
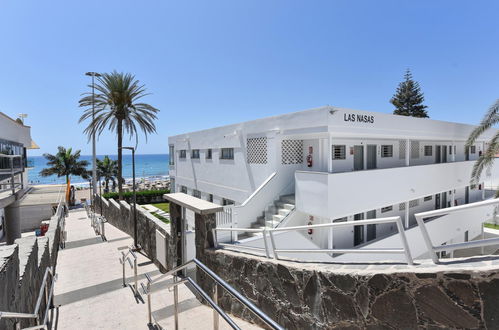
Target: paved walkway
[(90, 292)]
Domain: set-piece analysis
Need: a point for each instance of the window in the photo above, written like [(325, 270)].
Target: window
[(227, 153), (387, 151), (344, 219), (402, 149), (472, 149), (226, 201), (428, 151), (195, 153), (196, 193), (210, 196), (428, 198), (413, 203), (208, 153), (339, 152), (183, 189), (401, 206), (414, 149), (183, 154), (256, 149), (291, 152), (450, 150), (171, 155), (386, 209)]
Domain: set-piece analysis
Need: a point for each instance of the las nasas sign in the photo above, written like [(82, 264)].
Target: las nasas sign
[(352, 117)]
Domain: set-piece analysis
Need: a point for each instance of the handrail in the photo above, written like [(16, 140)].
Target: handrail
[(258, 190), (212, 302), (396, 219), (49, 293), (124, 258), (432, 250)]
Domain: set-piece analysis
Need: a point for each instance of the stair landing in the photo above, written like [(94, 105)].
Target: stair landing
[(89, 293)]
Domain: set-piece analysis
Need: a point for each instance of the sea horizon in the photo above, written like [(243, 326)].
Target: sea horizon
[(146, 166)]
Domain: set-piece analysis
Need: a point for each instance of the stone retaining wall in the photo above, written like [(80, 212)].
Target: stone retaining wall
[(307, 296), (22, 267), (120, 215)]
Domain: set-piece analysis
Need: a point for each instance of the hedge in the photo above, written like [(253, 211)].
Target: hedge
[(143, 194)]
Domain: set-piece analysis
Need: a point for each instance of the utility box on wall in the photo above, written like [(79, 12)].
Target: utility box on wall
[(161, 248)]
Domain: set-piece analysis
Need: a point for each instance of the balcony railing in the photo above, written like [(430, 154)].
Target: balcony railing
[(335, 195), (11, 168)]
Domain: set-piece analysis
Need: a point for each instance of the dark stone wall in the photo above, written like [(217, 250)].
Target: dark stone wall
[(300, 297), (120, 215), (22, 267)]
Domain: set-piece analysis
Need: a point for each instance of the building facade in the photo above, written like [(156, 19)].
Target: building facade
[(15, 139), (329, 165)]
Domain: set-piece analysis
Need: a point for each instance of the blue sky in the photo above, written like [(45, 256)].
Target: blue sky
[(210, 63)]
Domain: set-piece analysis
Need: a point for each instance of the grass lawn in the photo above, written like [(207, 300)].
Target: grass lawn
[(163, 206), (165, 220), (491, 225)]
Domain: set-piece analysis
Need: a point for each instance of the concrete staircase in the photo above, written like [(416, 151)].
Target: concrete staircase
[(273, 215)]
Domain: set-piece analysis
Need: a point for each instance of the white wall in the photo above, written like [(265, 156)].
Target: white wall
[(441, 230), (342, 194)]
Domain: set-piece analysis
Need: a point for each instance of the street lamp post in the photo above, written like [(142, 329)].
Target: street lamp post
[(134, 198), (94, 169)]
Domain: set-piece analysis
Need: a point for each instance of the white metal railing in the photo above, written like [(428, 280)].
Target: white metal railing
[(275, 251), (432, 250), (45, 290), (224, 219), (211, 299), (123, 260)]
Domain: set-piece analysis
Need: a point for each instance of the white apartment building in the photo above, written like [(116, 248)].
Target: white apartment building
[(330, 164), (15, 138)]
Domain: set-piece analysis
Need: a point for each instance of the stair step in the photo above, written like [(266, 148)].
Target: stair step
[(277, 217), (287, 199), (284, 212), (271, 224), (286, 206)]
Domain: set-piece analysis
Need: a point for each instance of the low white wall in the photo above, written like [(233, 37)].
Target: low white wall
[(341, 194), (441, 230)]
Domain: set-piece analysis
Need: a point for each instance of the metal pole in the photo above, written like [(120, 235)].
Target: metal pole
[(123, 263), (100, 196), (175, 302), (134, 202), (94, 168), (12, 176), (149, 302), (135, 276), (215, 313)]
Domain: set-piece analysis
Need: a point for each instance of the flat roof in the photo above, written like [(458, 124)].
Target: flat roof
[(193, 203), (41, 195)]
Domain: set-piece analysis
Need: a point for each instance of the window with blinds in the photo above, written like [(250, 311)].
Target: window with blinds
[(386, 151), (339, 151)]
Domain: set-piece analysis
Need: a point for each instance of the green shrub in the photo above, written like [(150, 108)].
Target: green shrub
[(143, 193)]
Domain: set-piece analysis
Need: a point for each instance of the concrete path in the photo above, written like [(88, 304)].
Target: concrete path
[(90, 292)]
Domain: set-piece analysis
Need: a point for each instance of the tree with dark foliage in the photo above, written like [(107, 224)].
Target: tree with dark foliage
[(408, 100)]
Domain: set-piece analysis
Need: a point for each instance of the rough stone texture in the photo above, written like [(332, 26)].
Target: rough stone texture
[(301, 296), (22, 267), (120, 215)]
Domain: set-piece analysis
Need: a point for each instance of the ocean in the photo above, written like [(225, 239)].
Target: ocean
[(146, 166)]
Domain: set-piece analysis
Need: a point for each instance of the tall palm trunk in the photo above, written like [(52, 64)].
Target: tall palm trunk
[(120, 158)]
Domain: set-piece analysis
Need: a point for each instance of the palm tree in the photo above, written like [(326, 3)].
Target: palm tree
[(118, 108), (65, 163), (488, 156), (107, 169)]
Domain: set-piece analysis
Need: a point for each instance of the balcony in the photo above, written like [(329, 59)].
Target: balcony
[(334, 195), (11, 171)]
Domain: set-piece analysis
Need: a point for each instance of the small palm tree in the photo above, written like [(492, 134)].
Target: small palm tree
[(65, 163), (108, 170), (487, 158), (118, 108)]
